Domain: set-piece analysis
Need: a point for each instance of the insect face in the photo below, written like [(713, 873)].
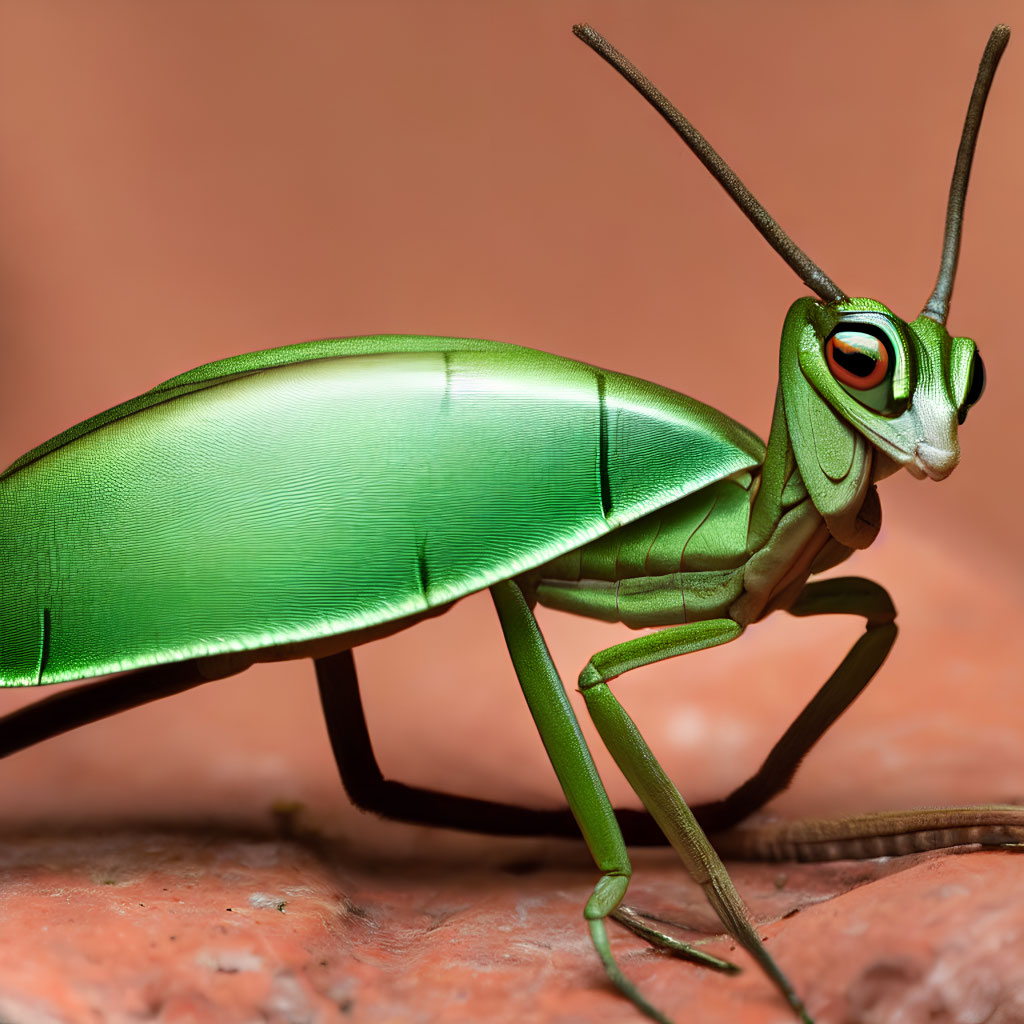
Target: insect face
[(905, 386)]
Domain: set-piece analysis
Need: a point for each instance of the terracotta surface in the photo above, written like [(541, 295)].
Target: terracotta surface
[(212, 928), (185, 182)]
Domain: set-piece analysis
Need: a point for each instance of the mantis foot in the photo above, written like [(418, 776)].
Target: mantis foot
[(634, 921)]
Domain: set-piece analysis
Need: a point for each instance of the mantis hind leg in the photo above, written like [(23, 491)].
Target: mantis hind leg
[(367, 788), (91, 702)]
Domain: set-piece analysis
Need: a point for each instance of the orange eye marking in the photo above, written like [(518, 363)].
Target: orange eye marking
[(857, 359)]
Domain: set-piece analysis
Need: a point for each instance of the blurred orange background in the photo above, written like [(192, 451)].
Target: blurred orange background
[(183, 182)]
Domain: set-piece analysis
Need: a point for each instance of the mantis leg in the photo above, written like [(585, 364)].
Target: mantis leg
[(849, 595), (577, 774), (367, 788), (656, 790), (90, 702)]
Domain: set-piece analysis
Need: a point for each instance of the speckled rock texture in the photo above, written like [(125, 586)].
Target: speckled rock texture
[(201, 928)]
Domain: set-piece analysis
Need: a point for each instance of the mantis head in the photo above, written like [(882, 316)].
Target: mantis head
[(903, 388)]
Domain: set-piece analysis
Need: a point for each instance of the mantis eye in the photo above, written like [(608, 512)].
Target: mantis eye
[(857, 359), (867, 359), (975, 387)]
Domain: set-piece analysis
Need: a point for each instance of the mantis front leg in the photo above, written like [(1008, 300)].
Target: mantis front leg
[(578, 776), (656, 790)]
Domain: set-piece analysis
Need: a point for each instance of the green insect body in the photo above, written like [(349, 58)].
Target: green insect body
[(302, 500), (235, 508)]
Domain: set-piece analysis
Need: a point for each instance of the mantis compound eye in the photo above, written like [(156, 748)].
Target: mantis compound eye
[(868, 363), (975, 387), (856, 358)]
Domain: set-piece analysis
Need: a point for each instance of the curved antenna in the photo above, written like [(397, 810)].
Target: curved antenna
[(937, 307), (810, 273)]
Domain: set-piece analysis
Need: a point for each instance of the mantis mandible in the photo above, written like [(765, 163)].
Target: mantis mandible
[(703, 535)]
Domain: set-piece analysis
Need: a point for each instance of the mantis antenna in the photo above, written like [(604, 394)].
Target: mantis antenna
[(937, 307), (809, 272)]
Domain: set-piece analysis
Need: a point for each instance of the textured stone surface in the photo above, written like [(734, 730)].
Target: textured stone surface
[(174, 927)]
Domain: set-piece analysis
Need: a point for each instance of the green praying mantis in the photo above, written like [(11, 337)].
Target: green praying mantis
[(300, 501)]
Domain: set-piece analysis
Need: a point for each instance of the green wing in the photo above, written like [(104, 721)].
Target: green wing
[(321, 488)]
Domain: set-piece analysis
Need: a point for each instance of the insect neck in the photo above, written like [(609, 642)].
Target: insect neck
[(790, 536), (851, 515)]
